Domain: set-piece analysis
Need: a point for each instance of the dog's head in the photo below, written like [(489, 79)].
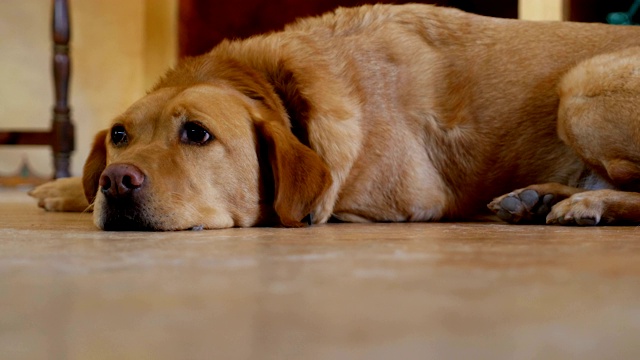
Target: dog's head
[(205, 149)]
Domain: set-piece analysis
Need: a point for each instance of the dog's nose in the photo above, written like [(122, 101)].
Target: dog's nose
[(119, 180)]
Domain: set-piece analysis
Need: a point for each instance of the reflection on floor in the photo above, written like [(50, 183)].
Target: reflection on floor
[(340, 291)]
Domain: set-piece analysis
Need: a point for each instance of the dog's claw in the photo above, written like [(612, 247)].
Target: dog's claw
[(586, 221), (580, 209)]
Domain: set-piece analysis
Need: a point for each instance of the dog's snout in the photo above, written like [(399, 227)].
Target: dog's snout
[(119, 180)]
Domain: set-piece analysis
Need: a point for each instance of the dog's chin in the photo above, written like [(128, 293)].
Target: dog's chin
[(122, 215), (129, 214), (126, 224)]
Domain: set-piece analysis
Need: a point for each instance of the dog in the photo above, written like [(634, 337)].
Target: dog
[(380, 113)]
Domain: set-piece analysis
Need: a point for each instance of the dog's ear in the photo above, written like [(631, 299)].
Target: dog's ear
[(93, 167), (300, 175)]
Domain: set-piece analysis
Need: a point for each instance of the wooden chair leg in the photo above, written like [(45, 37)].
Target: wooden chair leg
[(61, 135), (62, 127)]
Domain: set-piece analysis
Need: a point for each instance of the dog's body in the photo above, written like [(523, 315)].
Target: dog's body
[(378, 113)]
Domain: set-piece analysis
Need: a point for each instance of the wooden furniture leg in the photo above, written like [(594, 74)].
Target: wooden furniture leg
[(61, 135), (62, 129)]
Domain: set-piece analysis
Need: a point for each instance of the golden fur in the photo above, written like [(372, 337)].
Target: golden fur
[(381, 113)]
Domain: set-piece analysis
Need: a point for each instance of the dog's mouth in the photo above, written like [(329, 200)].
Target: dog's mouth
[(125, 215), (128, 215)]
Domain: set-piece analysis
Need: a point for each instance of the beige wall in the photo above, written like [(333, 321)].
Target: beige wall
[(118, 49), (555, 10)]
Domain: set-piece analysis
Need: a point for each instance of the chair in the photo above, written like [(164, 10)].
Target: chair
[(61, 135)]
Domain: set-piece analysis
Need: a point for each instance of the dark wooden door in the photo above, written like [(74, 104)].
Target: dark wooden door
[(204, 23)]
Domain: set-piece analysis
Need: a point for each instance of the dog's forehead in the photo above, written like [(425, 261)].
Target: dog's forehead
[(210, 99), (206, 90), (148, 108), (222, 109)]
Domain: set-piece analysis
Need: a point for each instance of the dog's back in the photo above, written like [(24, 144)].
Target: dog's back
[(472, 98)]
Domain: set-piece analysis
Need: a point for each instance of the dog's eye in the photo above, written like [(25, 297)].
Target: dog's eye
[(194, 134), (118, 135)]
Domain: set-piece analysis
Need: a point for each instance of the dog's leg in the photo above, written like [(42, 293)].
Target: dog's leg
[(598, 117), (64, 194), (323, 132), (599, 207), (531, 205)]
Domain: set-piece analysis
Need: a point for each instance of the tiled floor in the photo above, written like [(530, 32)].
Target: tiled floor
[(376, 291)]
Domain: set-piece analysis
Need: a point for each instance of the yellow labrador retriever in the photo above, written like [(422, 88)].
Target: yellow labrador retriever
[(378, 113)]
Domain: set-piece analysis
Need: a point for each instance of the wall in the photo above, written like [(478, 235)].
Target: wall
[(543, 9), (118, 49)]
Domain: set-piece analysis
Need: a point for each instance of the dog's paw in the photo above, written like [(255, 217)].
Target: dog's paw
[(580, 209), (523, 206), (64, 194)]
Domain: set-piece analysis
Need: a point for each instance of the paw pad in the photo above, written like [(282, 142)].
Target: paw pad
[(523, 207)]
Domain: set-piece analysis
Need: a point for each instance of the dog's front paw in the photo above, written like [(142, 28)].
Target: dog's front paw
[(580, 209), (523, 206), (64, 194)]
